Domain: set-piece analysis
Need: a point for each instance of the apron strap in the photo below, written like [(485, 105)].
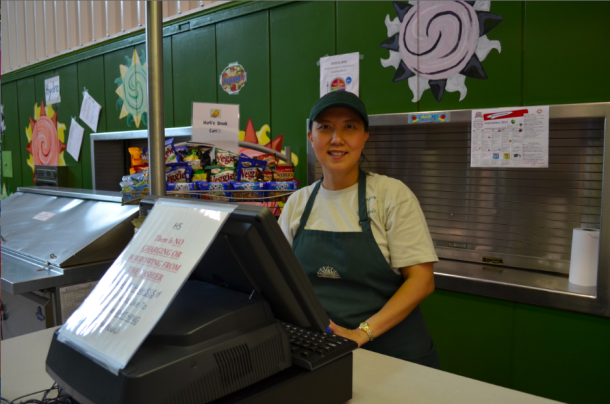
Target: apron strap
[(362, 213), (308, 207)]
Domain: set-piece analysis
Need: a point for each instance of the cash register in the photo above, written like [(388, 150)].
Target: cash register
[(246, 327)]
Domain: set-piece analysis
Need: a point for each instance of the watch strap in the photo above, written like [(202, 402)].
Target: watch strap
[(365, 327)]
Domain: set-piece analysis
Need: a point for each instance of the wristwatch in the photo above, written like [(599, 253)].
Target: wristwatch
[(365, 327)]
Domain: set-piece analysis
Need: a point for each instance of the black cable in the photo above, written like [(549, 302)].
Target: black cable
[(4, 400), (35, 401)]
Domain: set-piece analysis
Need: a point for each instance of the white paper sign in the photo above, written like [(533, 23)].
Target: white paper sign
[(44, 216), (510, 137), (90, 111), (75, 139), (217, 124), (136, 290), (340, 73), (51, 91)]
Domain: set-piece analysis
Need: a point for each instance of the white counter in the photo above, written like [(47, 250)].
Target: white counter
[(377, 378)]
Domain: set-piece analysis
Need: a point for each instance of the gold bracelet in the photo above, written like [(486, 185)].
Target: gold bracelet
[(365, 327)]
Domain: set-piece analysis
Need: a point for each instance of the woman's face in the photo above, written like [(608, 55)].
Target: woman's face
[(338, 137)]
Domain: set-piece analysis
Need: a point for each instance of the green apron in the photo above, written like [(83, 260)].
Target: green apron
[(354, 281)]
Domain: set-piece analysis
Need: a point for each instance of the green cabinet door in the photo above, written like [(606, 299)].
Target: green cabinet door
[(193, 71), (91, 77), (13, 139), (566, 56), (69, 107), (26, 98), (301, 33), (472, 334), (246, 40)]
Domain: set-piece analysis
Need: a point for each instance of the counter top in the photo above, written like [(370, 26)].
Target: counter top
[(377, 378)]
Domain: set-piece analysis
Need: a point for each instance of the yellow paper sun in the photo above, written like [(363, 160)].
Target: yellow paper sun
[(46, 138), (132, 91)]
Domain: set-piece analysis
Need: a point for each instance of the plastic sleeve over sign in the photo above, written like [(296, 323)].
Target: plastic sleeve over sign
[(132, 296)]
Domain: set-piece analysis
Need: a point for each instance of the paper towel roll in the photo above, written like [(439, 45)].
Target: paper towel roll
[(585, 256)]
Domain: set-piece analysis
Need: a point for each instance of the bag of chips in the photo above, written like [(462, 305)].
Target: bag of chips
[(226, 158), (179, 173), (284, 173), (171, 156), (249, 169), (220, 173), (279, 189)]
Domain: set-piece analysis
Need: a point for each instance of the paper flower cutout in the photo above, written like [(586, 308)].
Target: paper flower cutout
[(46, 138), (132, 90), (437, 44)]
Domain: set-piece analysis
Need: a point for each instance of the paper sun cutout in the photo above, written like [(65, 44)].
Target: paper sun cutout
[(46, 138), (262, 138), (132, 90), (437, 44)]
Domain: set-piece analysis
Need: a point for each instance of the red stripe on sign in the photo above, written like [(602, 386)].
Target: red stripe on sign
[(505, 114)]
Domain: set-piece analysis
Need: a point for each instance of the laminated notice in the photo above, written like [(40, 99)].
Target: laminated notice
[(137, 289)]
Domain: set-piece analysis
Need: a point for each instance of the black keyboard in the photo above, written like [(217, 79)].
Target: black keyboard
[(312, 349)]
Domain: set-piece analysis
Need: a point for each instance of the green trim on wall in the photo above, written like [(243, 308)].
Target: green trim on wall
[(206, 17)]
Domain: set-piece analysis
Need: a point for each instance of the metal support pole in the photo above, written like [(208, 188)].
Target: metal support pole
[(155, 111)]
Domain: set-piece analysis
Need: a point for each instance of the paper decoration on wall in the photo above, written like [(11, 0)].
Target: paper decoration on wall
[(51, 90), (233, 78), (437, 44), (262, 138), (132, 90), (46, 138)]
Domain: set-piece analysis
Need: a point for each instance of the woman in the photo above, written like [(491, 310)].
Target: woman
[(362, 239)]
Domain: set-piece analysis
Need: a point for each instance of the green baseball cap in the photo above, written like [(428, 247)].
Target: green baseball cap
[(335, 99)]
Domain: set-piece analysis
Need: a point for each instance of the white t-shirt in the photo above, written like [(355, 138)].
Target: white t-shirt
[(397, 221)]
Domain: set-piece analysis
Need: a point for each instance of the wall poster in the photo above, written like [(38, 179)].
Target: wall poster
[(510, 137)]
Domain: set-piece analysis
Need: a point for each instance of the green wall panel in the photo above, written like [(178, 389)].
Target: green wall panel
[(194, 71), (362, 29), (561, 355), (68, 108), (168, 85), (141, 49), (472, 334), (12, 137), (502, 88), (566, 58), (246, 40), (91, 77), (26, 97), (301, 33), (112, 61)]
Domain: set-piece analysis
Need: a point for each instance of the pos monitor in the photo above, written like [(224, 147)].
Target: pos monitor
[(221, 332)]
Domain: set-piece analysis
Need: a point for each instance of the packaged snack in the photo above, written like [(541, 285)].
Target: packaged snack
[(199, 175), (138, 169), (136, 156), (196, 164), (183, 151), (144, 155), (200, 151), (249, 169), (171, 156), (226, 158), (181, 187), (279, 189), (216, 190), (203, 186), (179, 173), (247, 190), (269, 158), (283, 173), (220, 173), (267, 175)]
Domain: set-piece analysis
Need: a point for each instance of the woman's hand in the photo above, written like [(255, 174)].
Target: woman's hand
[(356, 335)]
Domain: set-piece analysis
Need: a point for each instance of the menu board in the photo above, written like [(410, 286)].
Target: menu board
[(510, 137), (131, 297)]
